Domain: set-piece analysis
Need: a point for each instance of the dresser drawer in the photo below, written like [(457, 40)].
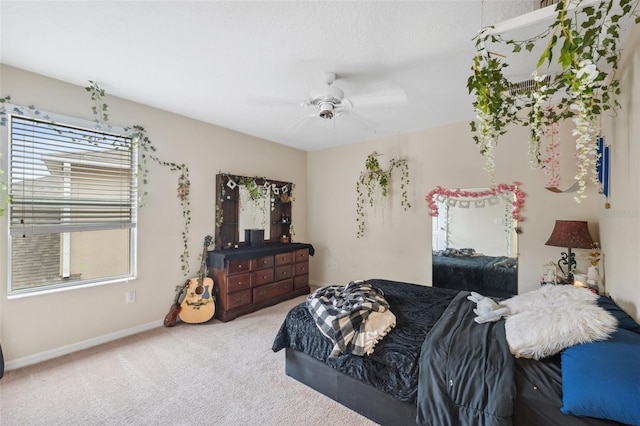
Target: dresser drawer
[(264, 262), (239, 298), (302, 255), (302, 268), (238, 282), (264, 276), (237, 266), (283, 272), (300, 281), (272, 290), (284, 258)]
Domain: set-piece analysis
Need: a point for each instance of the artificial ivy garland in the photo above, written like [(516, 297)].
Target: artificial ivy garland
[(374, 182), (583, 39)]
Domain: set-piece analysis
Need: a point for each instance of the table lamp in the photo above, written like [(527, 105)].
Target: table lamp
[(570, 234)]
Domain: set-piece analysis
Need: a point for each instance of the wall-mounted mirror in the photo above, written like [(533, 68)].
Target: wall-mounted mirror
[(475, 239), (254, 213), (252, 203)]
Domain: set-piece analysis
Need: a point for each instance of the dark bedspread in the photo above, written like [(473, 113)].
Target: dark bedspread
[(393, 366), (482, 274)]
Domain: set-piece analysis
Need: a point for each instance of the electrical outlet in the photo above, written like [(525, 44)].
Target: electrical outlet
[(334, 266), (130, 297)]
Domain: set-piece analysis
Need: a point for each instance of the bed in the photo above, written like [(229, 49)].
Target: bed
[(395, 385), (464, 269)]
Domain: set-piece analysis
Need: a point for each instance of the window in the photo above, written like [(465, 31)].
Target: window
[(72, 211)]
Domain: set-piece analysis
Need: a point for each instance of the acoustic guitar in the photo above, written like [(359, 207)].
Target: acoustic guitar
[(198, 304)]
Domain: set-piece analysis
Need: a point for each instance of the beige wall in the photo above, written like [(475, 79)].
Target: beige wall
[(38, 326), (620, 224)]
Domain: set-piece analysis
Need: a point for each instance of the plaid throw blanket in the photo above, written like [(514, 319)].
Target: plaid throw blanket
[(340, 312)]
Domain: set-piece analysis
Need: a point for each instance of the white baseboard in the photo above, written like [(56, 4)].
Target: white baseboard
[(316, 283), (86, 344)]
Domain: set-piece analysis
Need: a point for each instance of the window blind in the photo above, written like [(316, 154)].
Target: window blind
[(65, 178)]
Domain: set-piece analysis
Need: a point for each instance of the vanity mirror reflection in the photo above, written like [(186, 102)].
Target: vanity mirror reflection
[(252, 203), (475, 239)]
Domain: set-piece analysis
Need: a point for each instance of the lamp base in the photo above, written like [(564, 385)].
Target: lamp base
[(569, 260)]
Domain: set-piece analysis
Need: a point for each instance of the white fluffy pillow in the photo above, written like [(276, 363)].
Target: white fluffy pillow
[(549, 295), (543, 322)]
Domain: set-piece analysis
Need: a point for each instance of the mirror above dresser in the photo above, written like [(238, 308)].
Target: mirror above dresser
[(252, 207)]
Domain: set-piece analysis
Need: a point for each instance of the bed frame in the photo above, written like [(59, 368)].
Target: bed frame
[(352, 393)]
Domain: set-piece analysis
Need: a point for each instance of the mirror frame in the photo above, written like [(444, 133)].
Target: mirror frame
[(441, 194), (480, 198), (228, 208)]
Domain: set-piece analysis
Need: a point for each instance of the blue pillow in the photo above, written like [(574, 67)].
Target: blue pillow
[(602, 379), (624, 320)]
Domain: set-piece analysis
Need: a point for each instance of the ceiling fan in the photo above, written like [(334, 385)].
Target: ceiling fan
[(328, 101)]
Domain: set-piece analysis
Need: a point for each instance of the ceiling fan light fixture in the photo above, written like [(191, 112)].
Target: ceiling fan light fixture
[(326, 110)]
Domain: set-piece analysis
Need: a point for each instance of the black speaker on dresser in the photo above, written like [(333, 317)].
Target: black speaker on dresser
[(254, 237)]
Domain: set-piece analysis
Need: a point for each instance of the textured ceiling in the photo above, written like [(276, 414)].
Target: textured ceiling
[(211, 60)]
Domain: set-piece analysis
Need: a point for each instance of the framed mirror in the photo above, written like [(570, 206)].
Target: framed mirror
[(475, 239), (254, 213), (252, 203)]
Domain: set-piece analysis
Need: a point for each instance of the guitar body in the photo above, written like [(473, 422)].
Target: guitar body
[(198, 304)]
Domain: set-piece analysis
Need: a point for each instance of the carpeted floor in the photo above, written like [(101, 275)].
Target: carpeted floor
[(204, 374)]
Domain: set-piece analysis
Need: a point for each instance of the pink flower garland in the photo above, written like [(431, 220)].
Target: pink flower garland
[(495, 190), (551, 161)]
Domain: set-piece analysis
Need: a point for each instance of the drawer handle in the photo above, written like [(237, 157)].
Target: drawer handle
[(264, 276)]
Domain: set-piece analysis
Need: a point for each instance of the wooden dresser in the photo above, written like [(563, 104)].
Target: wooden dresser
[(251, 278)]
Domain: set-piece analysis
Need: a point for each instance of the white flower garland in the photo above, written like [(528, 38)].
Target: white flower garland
[(489, 137), (536, 127), (586, 125)]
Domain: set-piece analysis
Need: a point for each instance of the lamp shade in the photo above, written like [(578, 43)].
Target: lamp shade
[(571, 234)]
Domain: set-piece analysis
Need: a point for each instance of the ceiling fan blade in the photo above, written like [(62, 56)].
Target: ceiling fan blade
[(382, 99), (361, 120), (298, 123)]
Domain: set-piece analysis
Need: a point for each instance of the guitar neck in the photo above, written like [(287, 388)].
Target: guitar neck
[(203, 261), (203, 265)]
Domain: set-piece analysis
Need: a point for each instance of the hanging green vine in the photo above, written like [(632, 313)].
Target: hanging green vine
[(374, 182), (255, 191), (139, 136), (583, 41)]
